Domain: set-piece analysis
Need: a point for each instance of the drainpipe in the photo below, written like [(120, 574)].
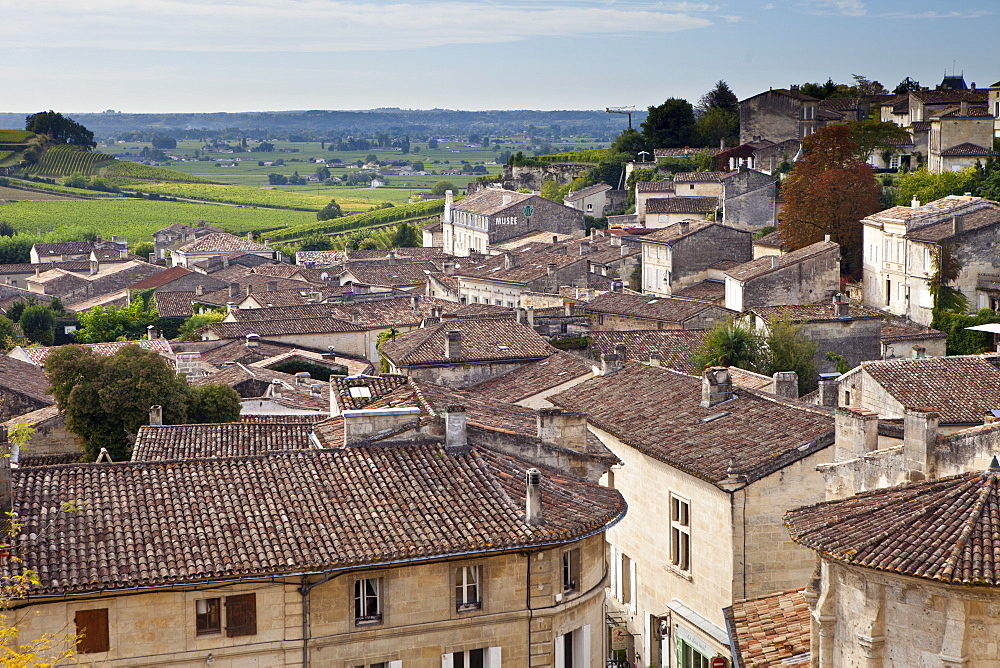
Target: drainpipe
[(304, 591)]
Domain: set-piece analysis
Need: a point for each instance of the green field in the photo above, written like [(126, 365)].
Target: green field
[(349, 199), (136, 220), (18, 195), (63, 160)]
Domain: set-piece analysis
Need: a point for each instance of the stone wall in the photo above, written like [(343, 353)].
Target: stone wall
[(748, 199), (458, 376), (812, 280), (771, 115), (692, 256), (533, 177), (856, 340)]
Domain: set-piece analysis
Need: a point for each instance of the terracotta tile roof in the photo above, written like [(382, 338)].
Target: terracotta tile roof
[(765, 265), (119, 298), (159, 346), (965, 148), (772, 240), (174, 304), (220, 242), (232, 439), (587, 192), (962, 388), (34, 417), (675, 231), (648, 307), (930, 210), (750, 379), (312, 418), (920, 126), (173, 522), (707, 290), (23, 378), (682, 152), (658, 411), (675, 346), (488, 202), (701, 177), (292, 296), (281, 270), (534, 378), (18, 268), (942, 530), (355, 392), (237, 375), (899, 330), (337, 258), (950, 96), (771, 630), (824, 312), (391, 275), (531, 264), (481, 341), (239, 351), (368, 314), (239, 330), (49, 460), (654, 187), (700, 205), (64, 248)]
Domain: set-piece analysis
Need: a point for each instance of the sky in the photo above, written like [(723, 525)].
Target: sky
[(261, 55)]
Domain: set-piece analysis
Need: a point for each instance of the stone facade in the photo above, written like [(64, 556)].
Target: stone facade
[(524, 609), (949, 132), (777, 115), (749, 199), (675, 260), (789, 279)]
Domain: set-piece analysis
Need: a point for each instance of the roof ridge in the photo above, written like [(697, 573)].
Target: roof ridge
[(970, 524)]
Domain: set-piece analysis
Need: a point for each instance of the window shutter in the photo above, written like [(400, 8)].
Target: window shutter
[(395, 664), (493, 657), (582, 650), (560, 658), (241, 615), (447, 660), (93, 626), (632, 587)]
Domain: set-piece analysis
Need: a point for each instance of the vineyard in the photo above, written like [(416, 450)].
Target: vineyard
[(244, 195), (124, 169), (64, 160), (15, 136), (360, 220), (136, 220), (592, 156), (65, 190)]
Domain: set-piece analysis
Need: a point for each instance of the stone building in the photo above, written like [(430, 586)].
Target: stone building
[(699, 184), (959, 138), (778, 114), (805, 276), (903, 247), (617, 311), (597, 200), (646, 190), (214, 246), (179, 233), (24, 387), (682, 254), (470, 557), (749, 199), (491, 216), (665, 211), (712, 468)]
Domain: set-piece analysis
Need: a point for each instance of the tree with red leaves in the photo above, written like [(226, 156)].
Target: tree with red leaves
[(829, 191)]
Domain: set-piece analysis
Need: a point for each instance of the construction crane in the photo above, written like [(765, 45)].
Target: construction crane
[(622, 110)]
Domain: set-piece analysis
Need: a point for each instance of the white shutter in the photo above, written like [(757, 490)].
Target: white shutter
[(581, 645), (618, 575), (492, 657), (631, 585), (447, 660), (395, 664), (614, 572), (560, 658)]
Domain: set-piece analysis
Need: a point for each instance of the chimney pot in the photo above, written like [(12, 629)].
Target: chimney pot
[(611, 363), (234, 289), (533, 497), (150, 332), (655, 359), (252, 340), (455, 430), (786, 384), (302, 378), (919, 351), (920, 431), (856, 433), (716, 386), (685, 226), (156, 416)]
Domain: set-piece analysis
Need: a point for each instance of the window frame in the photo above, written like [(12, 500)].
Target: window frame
[(208, 615), (362, 598), (463, 586), (679, 514), (570, 567), (100, 639)]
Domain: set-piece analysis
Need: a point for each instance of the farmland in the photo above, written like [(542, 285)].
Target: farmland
[(136, 220), (63, 159), (248, 196)]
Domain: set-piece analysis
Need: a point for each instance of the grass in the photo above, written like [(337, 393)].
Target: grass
[(16, 195), (136, 220)]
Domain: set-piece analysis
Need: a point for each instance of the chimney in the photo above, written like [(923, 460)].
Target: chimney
[(361, 425), (449, 202), (957, 224), (841, 306), (856, 433), (199, 290), (452, 344), (249, 288), (316, 389), (716, 386), (150, 332), (274, 389), (533, 497), (616, 285), (302, 378), (156, 416), (272, 286), (506, 199), (448, 267), (234, 289), (565, 429), (655, 359), (914, 203), (684, 226), (774, 261), (189, 364), (551, 267), (414, 302), (94, 267), (456, 434), (568, 309), (435, 311), (152, 258), (624, 250), (555, 238), (252, 340), (266, 242), (919, 351), (531, 316), (616, 241), (620, 351), (963, 108), (38, 269), (920, 431), (6, 478), (828, 388), (509, 260), (584, 248), (611, 363), (786, 384), (520, 315)]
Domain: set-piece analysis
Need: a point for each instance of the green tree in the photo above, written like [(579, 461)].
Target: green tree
[(905, 86), (6, 334), (730, 343), (38, 324), (276, 179), (143, 249), (369, 244), (213, 402), (316, 242), (115, 323), (370, 158), (669, 124), (871, 136), (720, 97), (927, 187), (330, 211), (406, 236), (16, 249), (550, 191), (443, 186), (718, 114), (432, 143), (189, 329), (60, 129), (107, 399), (786, 350), (6, 229), (322, 172), (417, 166), (631, 143)]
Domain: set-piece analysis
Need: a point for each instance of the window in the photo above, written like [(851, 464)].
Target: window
[(367, 603), (208, 616), (92, 627), (486, 657), (680, 533), (467, 589), (571, 570), (380, 664), (692, 658), (692, 187), (572, 650), (888, 292), (590, 207), (241, 615)]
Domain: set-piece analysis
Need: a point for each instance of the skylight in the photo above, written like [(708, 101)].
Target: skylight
[(360, 393)]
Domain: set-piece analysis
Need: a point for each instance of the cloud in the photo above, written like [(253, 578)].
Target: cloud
[(838, 7), (329, 26), (768, 6), (937, 15)]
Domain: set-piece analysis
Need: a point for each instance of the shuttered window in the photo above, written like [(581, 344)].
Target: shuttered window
[(92, 629), (241, 615)]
